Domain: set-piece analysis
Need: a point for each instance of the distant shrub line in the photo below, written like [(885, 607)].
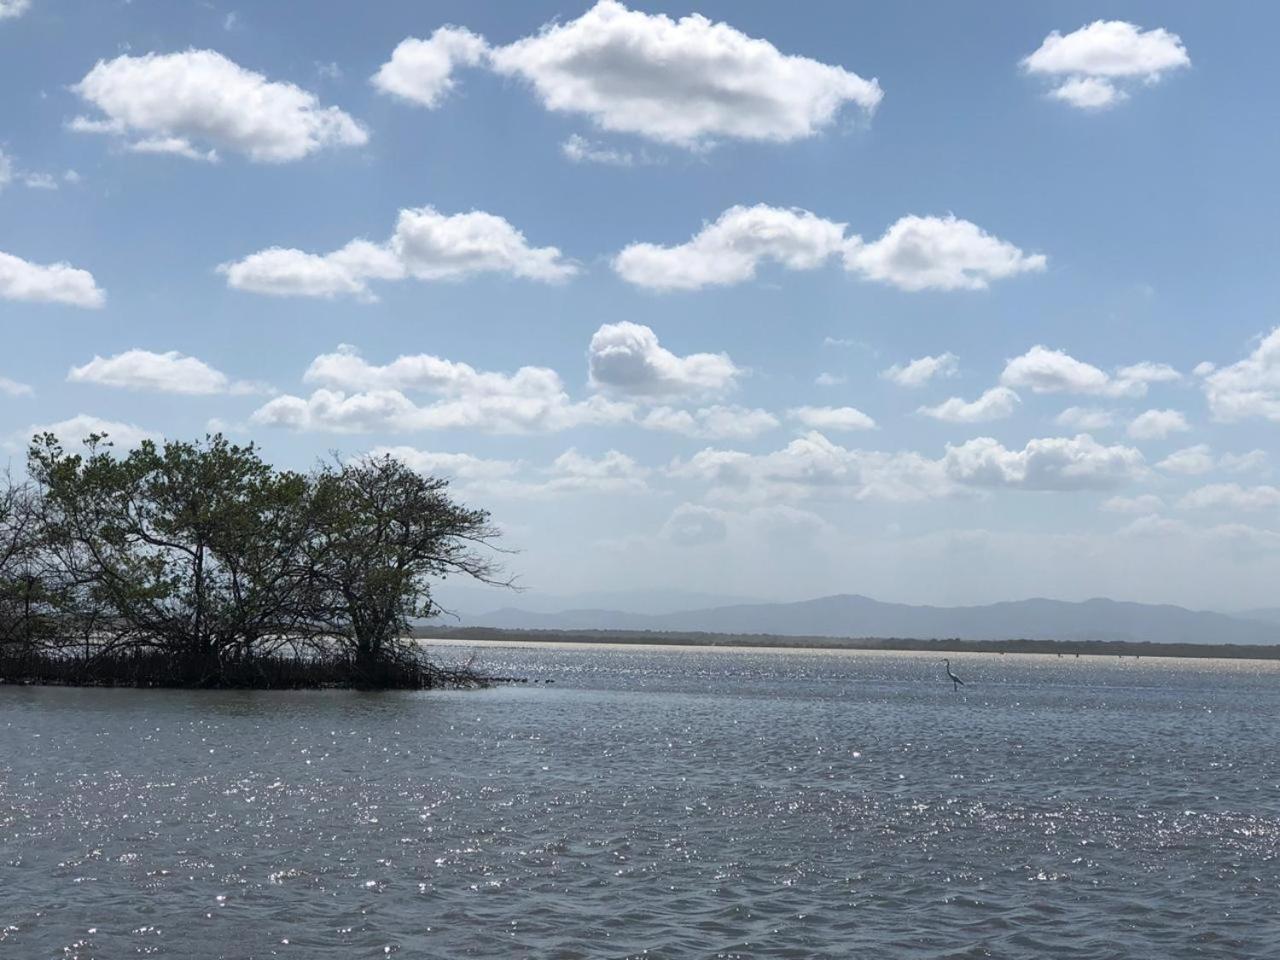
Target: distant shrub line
[(200, 565)]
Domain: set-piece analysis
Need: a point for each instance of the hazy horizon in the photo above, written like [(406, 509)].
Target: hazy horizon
[(937, 309)]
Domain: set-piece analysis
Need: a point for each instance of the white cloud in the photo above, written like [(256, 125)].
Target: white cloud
[(12, 388), (1244, 462), (612, 472), (6, 169), (915, 253), (357, 396), (923, 369), (71, 432), (48, 283), (1231, 496), (460, 466), (729, 250), (938, 253), (1157, 424), (1088, 93), (832, 418), (829, 379), (426, 245), (1145, 503), (1095, 58), (1249, 387), (1085, 419), (1042, 370), (1056, 463), (713, 423), (626, 358), (694, 525), (13, 8), (169, 372), (995, 404), (812, 466), (420, 71), (581, 150), (171, 102), (686, 82), (40, 181), (1189, 461)]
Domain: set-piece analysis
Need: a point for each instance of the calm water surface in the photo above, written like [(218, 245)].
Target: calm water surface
[(659, 803)]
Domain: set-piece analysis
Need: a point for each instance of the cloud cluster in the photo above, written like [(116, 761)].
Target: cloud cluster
[(922, 369), (729, 250), (1157, 424), (627, 359), (1090, 63), (1042, 370), (198, 102), (1055, 463), (1231, 496), (1249, 387), (915, 253), (48, 283), (995, 404), (169, 372), (426, 245), (717, 422), (687, 82)]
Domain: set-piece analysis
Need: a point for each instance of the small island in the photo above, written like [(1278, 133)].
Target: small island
[(201, 565)]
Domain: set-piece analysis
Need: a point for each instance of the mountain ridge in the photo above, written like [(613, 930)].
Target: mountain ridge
[(855, 615)]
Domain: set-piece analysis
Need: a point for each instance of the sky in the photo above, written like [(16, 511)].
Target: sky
[(938, 303)]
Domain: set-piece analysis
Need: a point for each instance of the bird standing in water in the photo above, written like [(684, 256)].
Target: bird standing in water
[(956, 682)]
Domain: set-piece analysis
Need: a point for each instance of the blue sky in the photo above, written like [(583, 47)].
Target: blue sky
[(710, 242)]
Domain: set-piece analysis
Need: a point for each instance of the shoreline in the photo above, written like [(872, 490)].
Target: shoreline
[(640, 640)]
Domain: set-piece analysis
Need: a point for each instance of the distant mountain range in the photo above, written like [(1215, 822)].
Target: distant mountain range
[(849, 615)]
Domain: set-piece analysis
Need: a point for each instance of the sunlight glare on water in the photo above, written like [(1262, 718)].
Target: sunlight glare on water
[(656, 802)]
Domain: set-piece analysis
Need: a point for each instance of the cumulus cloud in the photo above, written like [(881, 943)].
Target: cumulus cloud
[(813, 466), (938, 253), (356, 396), (459, 466), (13, 8), (923, 369), (1055, 463), (915, 253), (426, 245), (12, 388), (995, 404), (1189, 461), (1091, 63), (48, 283), (1157, 424), (197, 102), (612, 472), (169, 372), (832, 418), (686, 82), (695, 525), (73, 431), (626, 358), (421, 71), (717, 422), (1085, 419), (1248, 388), (1231, 496), (829, 380), (1042, 370), (729, 250)]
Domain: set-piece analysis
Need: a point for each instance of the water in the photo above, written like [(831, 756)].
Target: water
[(660, 803)]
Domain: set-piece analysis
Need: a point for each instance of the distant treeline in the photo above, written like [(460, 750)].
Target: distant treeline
[(199, 564), (1112, 648)]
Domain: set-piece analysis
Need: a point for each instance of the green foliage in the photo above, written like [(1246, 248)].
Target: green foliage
[(208, 555)]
